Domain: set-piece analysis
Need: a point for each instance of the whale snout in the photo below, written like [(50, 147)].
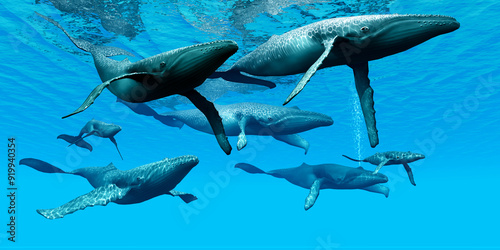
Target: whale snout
[(186, 161)]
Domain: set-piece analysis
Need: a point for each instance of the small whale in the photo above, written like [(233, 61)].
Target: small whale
[(392, 158), (177, 71), (93, 127), (325, 176), (122, 187), (351, 41), (246, 118)]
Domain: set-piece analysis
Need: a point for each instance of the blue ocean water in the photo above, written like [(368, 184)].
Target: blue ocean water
[(426, 100)]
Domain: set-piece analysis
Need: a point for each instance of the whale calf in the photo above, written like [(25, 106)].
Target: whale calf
[(93, 127), (351, 41), (392, 158), (246, 118), (177, 71), (325, 176), (122, 187)]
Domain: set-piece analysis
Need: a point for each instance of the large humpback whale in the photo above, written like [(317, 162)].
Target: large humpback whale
[(122, 187), (392, 158), (177, 71), (351, 41), (97, 128), (246, 118), (325, 176)]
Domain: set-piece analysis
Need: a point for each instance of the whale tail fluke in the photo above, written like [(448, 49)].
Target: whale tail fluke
[(87, 46), (249, 168), (236, 76), (352, 158), (41, 166), (144, 109), (77, 140)]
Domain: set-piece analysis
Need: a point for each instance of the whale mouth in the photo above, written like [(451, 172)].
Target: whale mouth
[(297, 124)]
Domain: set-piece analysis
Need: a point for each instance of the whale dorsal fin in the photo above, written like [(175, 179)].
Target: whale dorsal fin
[(360, 168), (295, 107), (109, 167)]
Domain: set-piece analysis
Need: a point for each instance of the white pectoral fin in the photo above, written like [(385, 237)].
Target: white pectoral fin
[(90, 99), (186, 197), (138, 76), (294, 140), (310, 72), (99, 196), (313, 194), (242, 139), (365, 93), (380, 165)]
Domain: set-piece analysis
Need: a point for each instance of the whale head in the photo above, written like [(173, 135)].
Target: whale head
[(293, 120), (180, 70), (377, 36), (112, 130), (164, 175), (364, 178)]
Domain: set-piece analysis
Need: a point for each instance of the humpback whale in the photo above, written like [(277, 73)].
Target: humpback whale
[(392, 158), (246, 118), (122, 187), (325, 176), (177, 71), (93, 127), (351, 41)]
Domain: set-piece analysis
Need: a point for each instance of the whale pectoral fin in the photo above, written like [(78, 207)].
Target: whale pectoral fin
[(138, 76), (313, 194), (365, 93), (379, 189), (310, 72), (380, 165), (112, 139), (410, 173), (90, 99), (242, 139), (184, 196), (294, 140), (237, 76), (99, 196), (208, 109)]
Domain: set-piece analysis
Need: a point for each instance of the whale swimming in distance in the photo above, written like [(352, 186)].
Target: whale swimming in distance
[(351, 41), (177, 71), (392, 158), (325, 176), (97, 128), (246, 118), (122, 187)]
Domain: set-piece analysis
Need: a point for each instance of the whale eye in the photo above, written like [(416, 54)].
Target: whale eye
[(365, 29), (162, 64), (270, 119)]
